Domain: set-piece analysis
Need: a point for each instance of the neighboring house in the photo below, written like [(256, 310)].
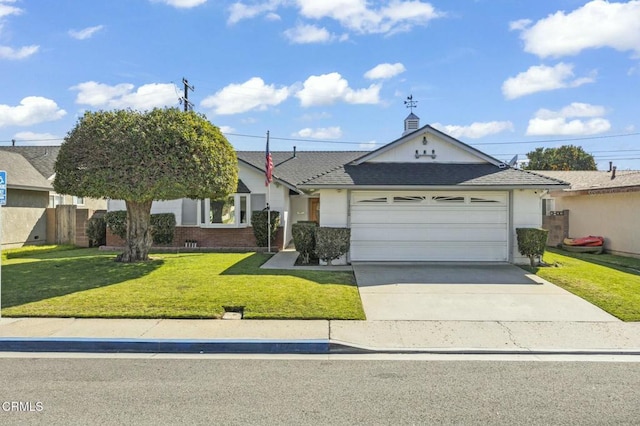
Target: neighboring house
[(24, 217), (600, 203), (43, 159), (423, 197)]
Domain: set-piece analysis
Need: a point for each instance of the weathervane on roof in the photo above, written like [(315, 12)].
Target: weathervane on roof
[(410, 103)]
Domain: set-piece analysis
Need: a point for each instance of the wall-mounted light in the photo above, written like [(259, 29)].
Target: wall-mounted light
[(424, 140)]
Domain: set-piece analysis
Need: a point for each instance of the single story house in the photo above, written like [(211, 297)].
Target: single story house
[(604, 203), (43, 159), (24, 217), (423, 197)]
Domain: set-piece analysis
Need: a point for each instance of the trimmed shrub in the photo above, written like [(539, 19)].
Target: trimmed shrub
[(260, 230), (531, 242), (331, 243), (97, 231), (117, 223), (304, 238), (163, 225)]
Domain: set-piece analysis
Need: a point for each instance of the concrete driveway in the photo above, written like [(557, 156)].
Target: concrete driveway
[(466, 292)]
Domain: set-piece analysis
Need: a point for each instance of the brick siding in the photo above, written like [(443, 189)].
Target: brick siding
[(209, 238)]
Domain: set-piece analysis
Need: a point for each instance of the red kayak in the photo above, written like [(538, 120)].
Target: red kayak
[(590, 241)]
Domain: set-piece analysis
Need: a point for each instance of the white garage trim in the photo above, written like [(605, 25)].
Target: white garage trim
[(429, 226)]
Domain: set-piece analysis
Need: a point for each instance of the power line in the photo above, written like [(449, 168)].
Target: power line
[(560, 140)]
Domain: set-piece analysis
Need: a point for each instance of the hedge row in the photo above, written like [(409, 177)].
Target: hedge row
[(163, 225), (326, 243)]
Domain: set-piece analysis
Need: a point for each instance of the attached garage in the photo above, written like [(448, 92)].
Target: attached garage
[(429, 226)]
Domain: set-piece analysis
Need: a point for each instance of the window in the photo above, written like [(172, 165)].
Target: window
[(54, 200), (78, 201), (233, 211), (447, 199), (377, 200), (409, 199), (482, 200)]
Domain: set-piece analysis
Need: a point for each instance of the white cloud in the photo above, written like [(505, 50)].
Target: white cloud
[(37, 138), (6, 9), (7, 52), (368, 146), (327, 89), (475, 130), (253, 94), (595, 25), (567, 121), (384, 71), (85, 33), (542, 78), (181, 4), (356, 15), (305, 34), (575, 109), (320, 133), (226, 129), (240, 11), (121, 96), (519, 25), (32, 110)]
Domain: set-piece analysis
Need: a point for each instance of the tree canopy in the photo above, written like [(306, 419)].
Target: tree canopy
[(139, 157), (566, 157)]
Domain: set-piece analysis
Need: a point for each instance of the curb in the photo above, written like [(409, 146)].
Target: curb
[(220, 346), (337, 347), (260, 346)]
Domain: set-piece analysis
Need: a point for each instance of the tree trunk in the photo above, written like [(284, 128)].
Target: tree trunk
[(139, 238)]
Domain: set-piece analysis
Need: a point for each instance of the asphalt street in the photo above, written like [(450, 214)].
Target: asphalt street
[(61, 391)]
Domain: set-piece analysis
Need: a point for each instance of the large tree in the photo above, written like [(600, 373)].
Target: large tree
[(139, 157), (566, 157)]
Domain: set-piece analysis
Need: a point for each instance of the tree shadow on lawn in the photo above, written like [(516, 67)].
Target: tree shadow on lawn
[(66, 273), (251, 266)]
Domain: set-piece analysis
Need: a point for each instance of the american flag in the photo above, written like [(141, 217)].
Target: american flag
[(268, 165)]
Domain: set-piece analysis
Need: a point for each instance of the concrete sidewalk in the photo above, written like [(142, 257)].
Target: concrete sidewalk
[(315, 336)]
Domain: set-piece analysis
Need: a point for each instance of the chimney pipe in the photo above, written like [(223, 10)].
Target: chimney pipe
[(610, 165), (613, 173), (294, 152)]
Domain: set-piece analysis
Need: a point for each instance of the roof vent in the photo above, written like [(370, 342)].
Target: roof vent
[(412, 122)]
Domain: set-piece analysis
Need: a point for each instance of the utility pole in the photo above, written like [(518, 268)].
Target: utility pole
[(185, 99)]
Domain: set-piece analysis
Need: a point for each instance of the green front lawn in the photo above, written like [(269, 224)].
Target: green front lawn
[(88, 283), (609, 282)]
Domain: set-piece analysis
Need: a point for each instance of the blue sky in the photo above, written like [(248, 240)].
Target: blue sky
[(505, 76)]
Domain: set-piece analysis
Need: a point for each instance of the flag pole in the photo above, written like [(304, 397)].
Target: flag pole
[(268, 171)]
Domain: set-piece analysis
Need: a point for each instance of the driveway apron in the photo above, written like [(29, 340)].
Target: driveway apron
[(466, 292)]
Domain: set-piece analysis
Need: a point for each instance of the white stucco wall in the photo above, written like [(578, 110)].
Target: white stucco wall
[(527, 213), (613, 216), (333, 207)]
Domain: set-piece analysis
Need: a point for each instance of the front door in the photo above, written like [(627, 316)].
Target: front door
[(314, 210)]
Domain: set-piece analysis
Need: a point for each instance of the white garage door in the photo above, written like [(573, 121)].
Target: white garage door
[(429, 226)]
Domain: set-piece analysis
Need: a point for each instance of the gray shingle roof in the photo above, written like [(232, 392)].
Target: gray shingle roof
[(431, 174), (306, 165), (43, 158), (585, 180), (21, 174)]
